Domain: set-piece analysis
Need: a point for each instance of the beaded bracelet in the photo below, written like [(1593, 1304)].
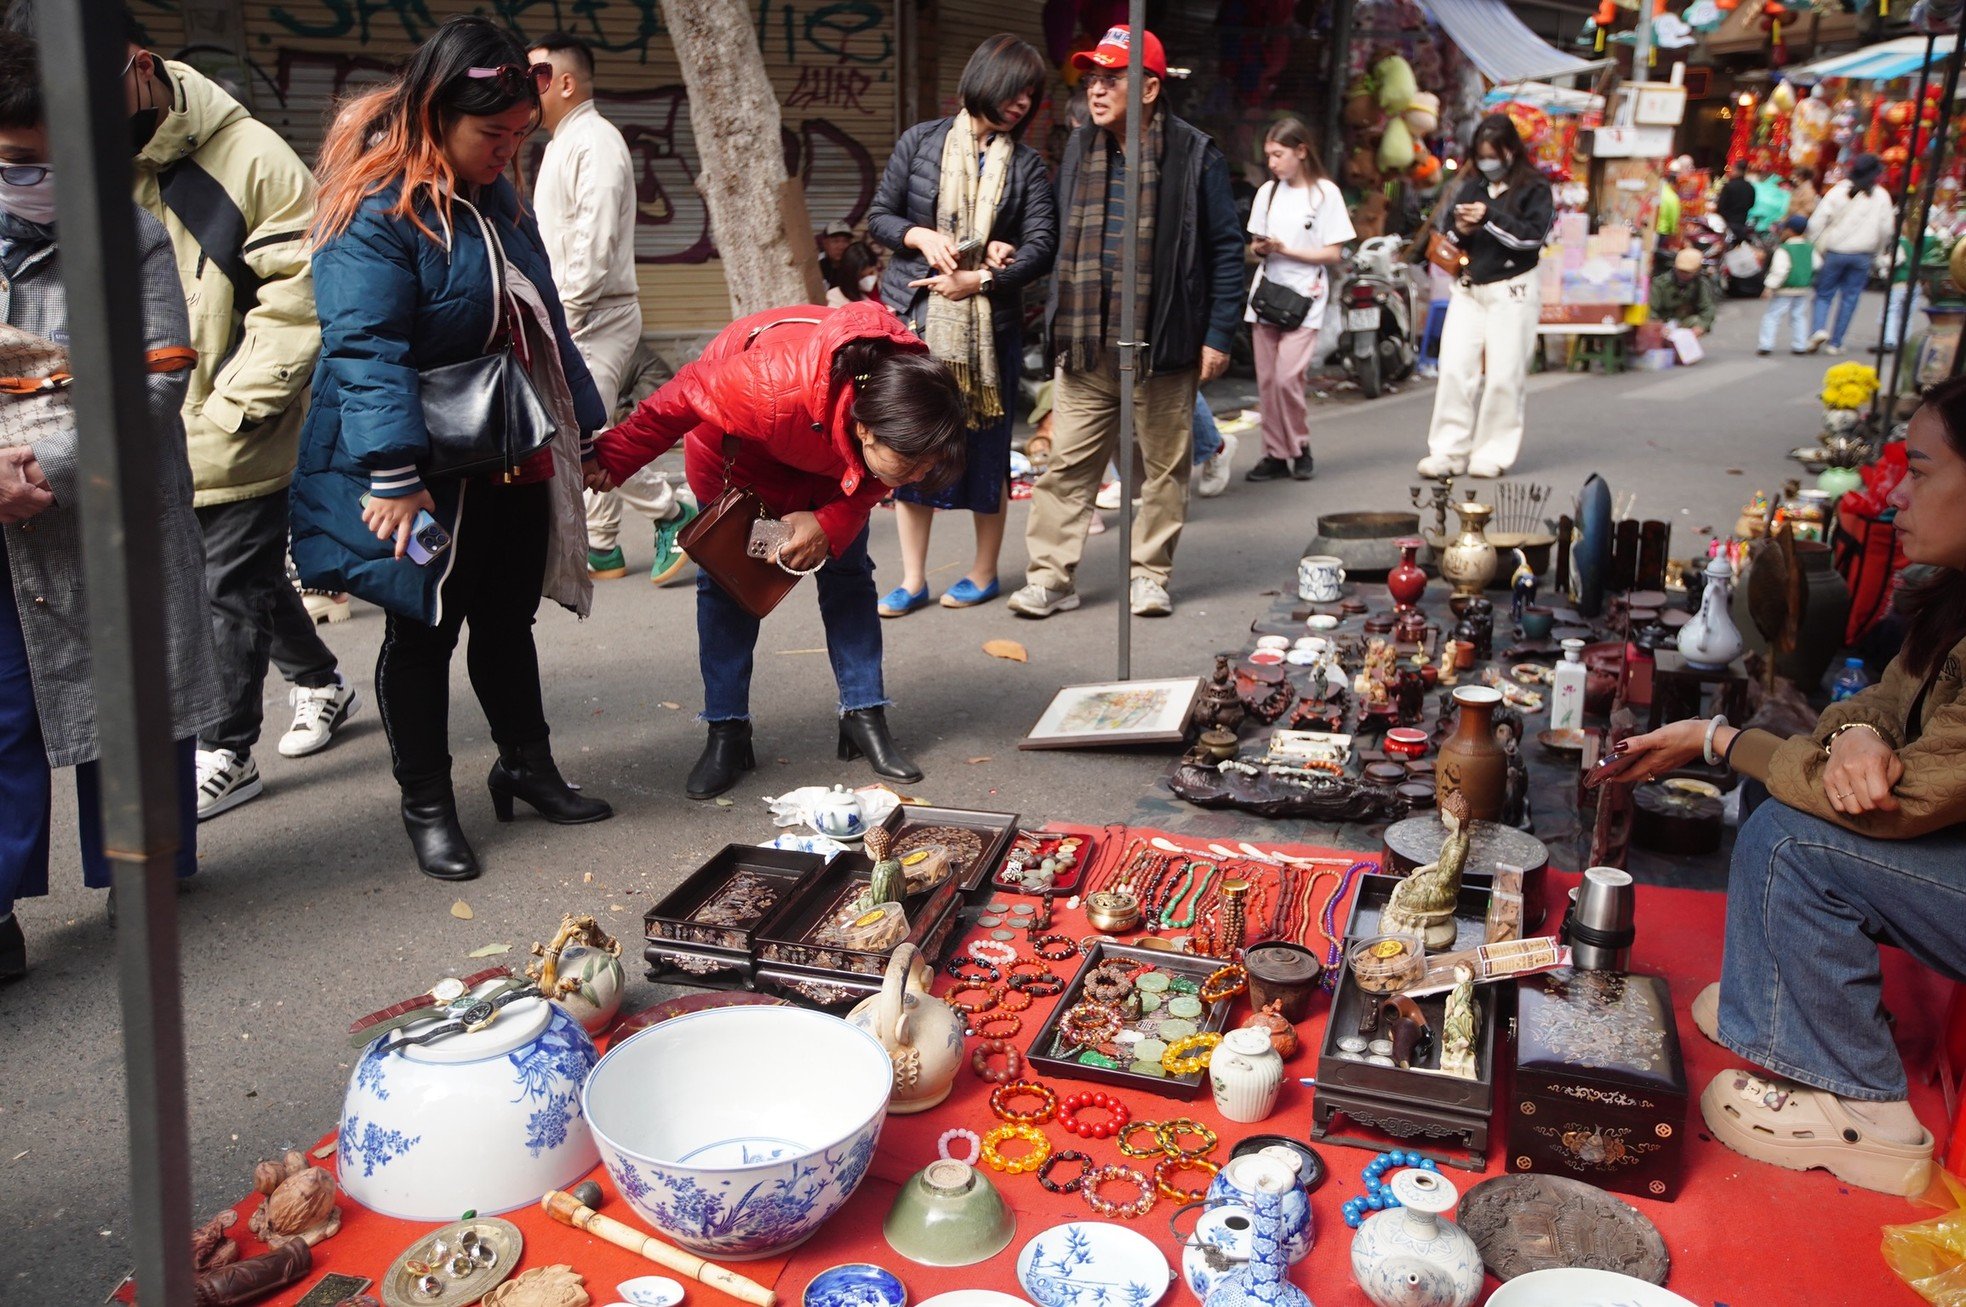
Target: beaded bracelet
[(1106, 983), (1042, 986), (1013, 1062), (1117, 1115), (1070, 1186), (1190, 1054), (1004, 1003), (1172, 1166), (1124, 1138), (1000, 1102), (990, 994), (1054, 948), (991, 1027), (1031, 1161), (992, 950), (1018, 968), (1106, 1207), (1169, 1134), (1377, 1197), (950, 1136), (963, 967), (1225, 983), (1090, 1024)]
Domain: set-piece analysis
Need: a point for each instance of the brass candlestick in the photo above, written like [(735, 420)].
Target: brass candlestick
[(1442, 496)]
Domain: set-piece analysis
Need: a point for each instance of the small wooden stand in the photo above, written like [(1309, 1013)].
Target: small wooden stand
[(1680, 691)]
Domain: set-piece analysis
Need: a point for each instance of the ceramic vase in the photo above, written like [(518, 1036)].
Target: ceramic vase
[(1407, 582), (922, 1034), (1469, 560), (1469, 760), (1246, 1074), (1261, 1281), (1710, 641), (1590, 556), (597, 1001), (1243, 1179), (1410, 1256)]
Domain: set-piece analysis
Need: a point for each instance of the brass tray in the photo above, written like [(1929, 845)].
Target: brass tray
[(398, 1284)]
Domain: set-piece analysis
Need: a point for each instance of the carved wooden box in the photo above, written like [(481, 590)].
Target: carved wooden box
[(1600, 1090)]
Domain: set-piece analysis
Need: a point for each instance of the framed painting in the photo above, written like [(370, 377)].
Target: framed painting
[(1116, 712)]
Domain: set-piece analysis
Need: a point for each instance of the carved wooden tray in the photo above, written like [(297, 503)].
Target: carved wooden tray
[(1525, 1223)]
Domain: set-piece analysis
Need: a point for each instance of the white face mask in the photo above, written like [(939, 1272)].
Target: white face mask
[(34, 203), (869, 282), (1491, 168)]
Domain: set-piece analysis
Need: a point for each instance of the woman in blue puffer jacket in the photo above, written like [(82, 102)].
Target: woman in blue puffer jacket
[(416, 215)]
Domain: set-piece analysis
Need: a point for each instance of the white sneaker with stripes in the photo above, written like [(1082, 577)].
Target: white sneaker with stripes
[(225, 781)]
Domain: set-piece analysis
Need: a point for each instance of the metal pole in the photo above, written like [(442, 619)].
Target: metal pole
[(88, 128), (1888, 397), (1130, 343), (1642, 44), (1343, 12)]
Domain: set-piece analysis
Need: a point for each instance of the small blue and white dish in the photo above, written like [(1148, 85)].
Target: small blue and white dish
[(856, 1284)]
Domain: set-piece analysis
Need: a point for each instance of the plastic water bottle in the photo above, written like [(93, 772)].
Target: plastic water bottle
[(1848, 681)]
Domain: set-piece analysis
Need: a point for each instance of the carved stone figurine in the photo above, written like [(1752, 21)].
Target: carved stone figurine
[(1423, 903), (889, 881), (1458, 1027), (1217, 705)]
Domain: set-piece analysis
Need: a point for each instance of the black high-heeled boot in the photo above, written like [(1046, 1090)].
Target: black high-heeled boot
[(430, 816), (529, 772), (863, 732), (726, 756)]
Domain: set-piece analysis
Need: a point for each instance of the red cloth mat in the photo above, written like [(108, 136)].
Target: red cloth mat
[(1741, 1234)]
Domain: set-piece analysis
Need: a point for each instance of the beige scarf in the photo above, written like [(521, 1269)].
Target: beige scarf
[(960, 332)]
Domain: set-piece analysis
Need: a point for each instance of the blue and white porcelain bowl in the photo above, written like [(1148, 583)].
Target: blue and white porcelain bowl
[(736, 1132), (857, 1284), (488, 1120)]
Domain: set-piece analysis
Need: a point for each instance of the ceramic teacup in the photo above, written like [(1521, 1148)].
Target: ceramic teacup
[(1319, 578)]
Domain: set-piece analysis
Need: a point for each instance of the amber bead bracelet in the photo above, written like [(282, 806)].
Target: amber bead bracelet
[(1170, 1132), (1169, 1167), (1013, 1061), (1226, 983), (1001, 1096), (1186, 1056), (1004, 1003), (1089, 1189), (1090, 1024), (998, 1025), (1124, 1138), (1024, 967), (1031, 1161)]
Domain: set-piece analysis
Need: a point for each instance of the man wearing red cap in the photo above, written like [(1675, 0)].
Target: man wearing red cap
[(1190, 294)]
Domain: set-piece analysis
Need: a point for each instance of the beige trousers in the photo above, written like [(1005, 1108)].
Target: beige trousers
[(606, 339), (1485, 350), (1085, 432)]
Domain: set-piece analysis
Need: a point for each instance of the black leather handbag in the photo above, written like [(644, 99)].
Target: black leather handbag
[(484, 415), (1280, 306)]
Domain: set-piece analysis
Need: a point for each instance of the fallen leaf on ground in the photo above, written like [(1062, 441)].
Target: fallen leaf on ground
[(489, 950), (616, 907), (587, 878), (726, 803), (984, 758), (1008, 649), (461, 910), (670, 704)]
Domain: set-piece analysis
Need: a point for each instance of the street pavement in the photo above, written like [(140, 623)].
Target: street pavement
[(309, 911)]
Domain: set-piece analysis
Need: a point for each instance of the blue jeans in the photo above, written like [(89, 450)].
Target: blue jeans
[(1840, 279), (727, 637), (1796, 309), (1208, 437), (1808, 904)]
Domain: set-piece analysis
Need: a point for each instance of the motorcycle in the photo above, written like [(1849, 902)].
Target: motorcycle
[(1376, 344)]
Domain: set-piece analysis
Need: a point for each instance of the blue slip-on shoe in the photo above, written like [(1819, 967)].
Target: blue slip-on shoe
[(964, 594), (899, 603)]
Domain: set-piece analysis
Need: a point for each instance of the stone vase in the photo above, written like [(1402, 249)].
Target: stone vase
[(1469, 760), (1469, 560), (1410, 1256)]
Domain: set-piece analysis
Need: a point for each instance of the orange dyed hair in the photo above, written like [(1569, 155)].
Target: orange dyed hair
[(395, 133)]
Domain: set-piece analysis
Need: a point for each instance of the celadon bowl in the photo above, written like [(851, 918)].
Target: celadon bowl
[(949, 1214), (737, 1132)]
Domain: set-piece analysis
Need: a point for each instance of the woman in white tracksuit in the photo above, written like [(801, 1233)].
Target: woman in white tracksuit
[(1500, 217)]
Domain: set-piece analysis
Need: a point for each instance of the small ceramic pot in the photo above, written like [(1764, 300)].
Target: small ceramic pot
[(1243, 1179), (1222, 1240), (598, 999), (1406, 742), (1320, 578), (1537, 622), (1286, 972), (837, 813), (1463, 654), (1409, 1256), (1246, 1074)]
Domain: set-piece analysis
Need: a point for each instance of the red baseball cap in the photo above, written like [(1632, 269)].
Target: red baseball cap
[(1116, 45)]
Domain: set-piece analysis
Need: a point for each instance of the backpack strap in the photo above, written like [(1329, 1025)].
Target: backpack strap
[(214, 220)]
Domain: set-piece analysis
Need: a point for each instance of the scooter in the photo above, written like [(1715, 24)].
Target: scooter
[(1375, 344)]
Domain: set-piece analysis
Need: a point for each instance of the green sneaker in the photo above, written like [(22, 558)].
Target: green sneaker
[(669, 557), (606, 564)]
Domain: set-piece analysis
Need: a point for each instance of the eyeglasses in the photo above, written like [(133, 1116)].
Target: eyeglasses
[(511, 78), (24, 174)]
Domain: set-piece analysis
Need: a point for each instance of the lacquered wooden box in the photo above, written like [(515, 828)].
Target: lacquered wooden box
[(1600, 1089)]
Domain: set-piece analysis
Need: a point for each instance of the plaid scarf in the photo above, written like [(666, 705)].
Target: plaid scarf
[(1088, 317), (961, 332)]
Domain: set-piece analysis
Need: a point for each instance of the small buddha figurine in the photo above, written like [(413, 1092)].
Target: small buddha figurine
[(1423, 903), (1458, 1028)]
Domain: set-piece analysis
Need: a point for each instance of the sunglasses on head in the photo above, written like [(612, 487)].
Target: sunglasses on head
[(511, 78)]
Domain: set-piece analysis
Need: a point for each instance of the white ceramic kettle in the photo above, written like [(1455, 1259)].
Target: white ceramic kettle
[(923, 1035)]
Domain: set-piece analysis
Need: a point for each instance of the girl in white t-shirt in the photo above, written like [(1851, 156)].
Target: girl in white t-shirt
[(1296, 226)]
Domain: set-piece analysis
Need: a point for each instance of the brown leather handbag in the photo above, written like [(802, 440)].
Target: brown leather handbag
[(718, 540)]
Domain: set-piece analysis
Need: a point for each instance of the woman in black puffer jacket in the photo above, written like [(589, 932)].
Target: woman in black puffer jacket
[(968, 211)]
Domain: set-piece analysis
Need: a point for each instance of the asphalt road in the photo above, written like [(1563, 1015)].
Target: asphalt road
[(308, 910)]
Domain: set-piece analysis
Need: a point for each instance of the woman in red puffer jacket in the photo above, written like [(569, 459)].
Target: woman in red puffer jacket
[(830, 409)]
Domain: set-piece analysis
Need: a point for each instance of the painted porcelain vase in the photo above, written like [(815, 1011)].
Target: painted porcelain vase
[(1711, 641), (1222, 1241), (1469, 560), (1246, 1074), (1270, 1170), (597, 1001), (1262, 1280), (923, 1035), (1410, 1255)]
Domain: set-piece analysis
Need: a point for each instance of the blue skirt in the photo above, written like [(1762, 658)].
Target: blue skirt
[(980, 489)]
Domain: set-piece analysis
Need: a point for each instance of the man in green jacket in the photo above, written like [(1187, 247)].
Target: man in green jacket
[(1684, 297), (237, 202)]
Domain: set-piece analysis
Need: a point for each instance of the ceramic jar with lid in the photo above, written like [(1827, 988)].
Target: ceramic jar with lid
[(1246, 1073), (1410, 1255), (1243, 1180)]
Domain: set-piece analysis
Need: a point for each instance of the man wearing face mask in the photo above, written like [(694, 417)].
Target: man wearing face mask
[(585, 202), (237, 202)]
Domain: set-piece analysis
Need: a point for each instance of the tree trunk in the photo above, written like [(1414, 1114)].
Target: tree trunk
[(741, 174)]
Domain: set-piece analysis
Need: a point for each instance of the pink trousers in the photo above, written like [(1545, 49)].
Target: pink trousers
[(1282, 359)]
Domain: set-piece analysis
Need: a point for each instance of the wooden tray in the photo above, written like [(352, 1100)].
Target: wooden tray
[(697, 966), (1214, 1017), (996, 828), (675, 920), (786, 938), (837, 990)]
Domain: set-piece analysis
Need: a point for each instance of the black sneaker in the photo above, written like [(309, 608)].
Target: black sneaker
[(1300, 467), (1267, 469)]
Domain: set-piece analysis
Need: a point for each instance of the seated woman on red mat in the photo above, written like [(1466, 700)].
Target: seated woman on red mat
[(1864, 844)]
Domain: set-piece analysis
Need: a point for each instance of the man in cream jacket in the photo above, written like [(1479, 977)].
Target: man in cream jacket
[(585, 201)]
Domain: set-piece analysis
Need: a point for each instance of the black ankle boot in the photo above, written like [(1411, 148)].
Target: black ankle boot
[(864, 732), (430, 816), (726, 756), (13, 950), (528, 772)]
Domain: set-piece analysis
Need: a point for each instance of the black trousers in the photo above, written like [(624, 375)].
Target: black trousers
[(257, 615), (495, 575)]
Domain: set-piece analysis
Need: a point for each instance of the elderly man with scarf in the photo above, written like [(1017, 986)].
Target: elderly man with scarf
[(1190, 289)]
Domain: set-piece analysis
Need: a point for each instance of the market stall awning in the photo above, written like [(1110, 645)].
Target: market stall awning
[(1501, 45), (1883, 62)]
